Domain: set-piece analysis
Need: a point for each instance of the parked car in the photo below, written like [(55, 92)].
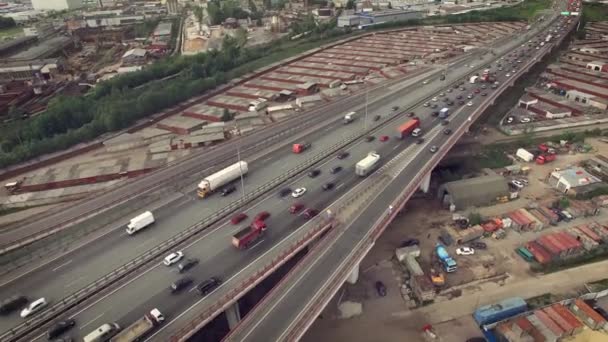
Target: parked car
[(380, 288), (461, 102), (262, 216), (180, 284), (469, 103), (335, 169), (238, 218), (409, 242), (510, 119), (314, 173), (299, 192), (296, 207), (484, 94), (465, 251), (343, 155), (435, 113), (434, 105), (395, 108), (173, 258), (478, 245), (59, 328), (524, 120), (34, 307), (187, 264), (517, 184), (477, 91)]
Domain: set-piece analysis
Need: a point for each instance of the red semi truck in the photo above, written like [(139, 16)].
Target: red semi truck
[(408, 127), (545, 158), (299, 148), (245, 237)]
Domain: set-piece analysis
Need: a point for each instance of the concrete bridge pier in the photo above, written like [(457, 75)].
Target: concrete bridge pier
[(354, 275), (233, 315), (426, 183)]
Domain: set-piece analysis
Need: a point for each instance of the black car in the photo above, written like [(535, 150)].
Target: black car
[(227, 190), (411, 114), (180, 284), (12, 303), (419, 141), (447, 131), (409, 242), (314, 173), (208, 286), (435, 113), (59, 328), (343, 155), (450, 103), (395, 108), (493, 86), (459, 97), (187, 264), (446, 99), (284, 192), (434, 106), (461, 102), (335, 169), (369, 138), (478, 245), (328, 186), (444, 122), (484, 94), (376, 117), (380, 288)]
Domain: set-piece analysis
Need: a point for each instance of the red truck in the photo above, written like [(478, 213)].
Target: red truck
[(408, 127), (299, 148), (248, 235), (545, 158)]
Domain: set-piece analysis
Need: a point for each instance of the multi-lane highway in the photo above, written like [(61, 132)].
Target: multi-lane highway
[(286, 313), (218, 257)]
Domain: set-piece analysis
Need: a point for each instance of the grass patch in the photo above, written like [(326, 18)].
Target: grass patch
[(7, 211), (598, 286), (11, 32), (492, 158), (542, 300), (595, 11)]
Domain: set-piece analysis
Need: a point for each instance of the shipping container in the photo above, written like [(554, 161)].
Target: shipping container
[(535, 224), (548, 213), (599, 230), (549, 246), (590, 233), (525, 254), (469, 234), (568, 316), (549, 323), (492, 313), (566, 327), (540, 253)]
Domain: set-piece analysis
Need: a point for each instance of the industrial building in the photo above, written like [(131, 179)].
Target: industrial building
[(478, 191), (568, 180), (377, 17), (56, 5)]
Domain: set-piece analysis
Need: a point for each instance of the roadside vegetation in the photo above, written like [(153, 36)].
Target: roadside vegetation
[(118, 103), (595, 255)]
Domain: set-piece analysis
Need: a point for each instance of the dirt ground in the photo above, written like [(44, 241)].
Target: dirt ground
[(498, 269)]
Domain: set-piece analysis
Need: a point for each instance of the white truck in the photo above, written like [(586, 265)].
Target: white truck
[(524, 155), (367, 164), (350, 117), (140, 328), (548, 38), (140, 222), (473, 79), (444, 113), (221, 178)]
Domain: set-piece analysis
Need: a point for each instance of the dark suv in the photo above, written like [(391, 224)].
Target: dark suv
[(208, 285), (314, 173), (59, 328)]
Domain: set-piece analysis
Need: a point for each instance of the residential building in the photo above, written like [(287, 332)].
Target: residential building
[(56, 5)]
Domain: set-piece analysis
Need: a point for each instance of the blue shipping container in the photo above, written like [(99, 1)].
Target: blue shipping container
[(497, 312), (489, 335)]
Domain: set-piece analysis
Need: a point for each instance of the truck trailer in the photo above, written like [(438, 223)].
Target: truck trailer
[(444, 113), (299, 148), (408, 127), (248, 235), (473, 79), (140, 222), (140, 328), (217, 180), (524, 155), (448, 263), (367, 164), (545, 158)]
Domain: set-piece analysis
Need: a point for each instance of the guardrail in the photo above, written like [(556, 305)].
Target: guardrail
[(367, 242)]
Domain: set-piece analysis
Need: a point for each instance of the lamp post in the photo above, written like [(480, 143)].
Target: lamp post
[(238, 156)]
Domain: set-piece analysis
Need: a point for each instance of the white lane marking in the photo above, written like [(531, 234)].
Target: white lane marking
[(339, 186), (328, 129), (266, 159), (193, 288), (72, 282), (395, 147), (64, 264), (91, 321), (256, 244)]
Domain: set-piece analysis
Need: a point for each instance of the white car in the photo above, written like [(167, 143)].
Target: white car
[(465, 251), (517, 184), (470, 104), (508, 75), (34, 307), (173, 258), (524, 120), (523, 181), (434, 99), (298, 192)]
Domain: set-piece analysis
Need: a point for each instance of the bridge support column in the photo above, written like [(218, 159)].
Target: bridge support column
[(354, 275), (233, 315), (426, 183)]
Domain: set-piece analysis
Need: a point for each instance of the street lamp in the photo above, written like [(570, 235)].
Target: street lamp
[(238, 156)]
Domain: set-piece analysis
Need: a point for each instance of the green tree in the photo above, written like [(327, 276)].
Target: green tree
[(350, 4), (6, 22), (199, 13), (240, 36), (563, 203), (226, 116), (474, 219)]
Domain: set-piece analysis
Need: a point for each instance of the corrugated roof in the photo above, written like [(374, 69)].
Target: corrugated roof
[(567, 315), (478, 190), (549, 323), (594, 315)]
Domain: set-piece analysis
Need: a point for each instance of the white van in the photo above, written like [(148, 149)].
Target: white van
[(103, 333), (416, 132)]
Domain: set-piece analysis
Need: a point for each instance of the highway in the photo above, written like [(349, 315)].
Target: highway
[(218, 257), (280, 317)]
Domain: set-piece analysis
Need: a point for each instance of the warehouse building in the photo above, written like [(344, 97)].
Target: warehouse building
[(478, 191), (568, 180)]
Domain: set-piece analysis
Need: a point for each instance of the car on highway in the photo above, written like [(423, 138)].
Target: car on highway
[(335, 169), (227, 190), (450, 103), (328, 186), (173, 258), (477, 91), (34, 307), (380, 288), (493, 86), (459, 97), (314, 173), (419, 141), (517, 184), (435, 113), (434, 99), (284, 192), (262, 216), (484, 94), (441, 94), (411, 114), (433, 149), (180, 284), (434, 105), (343, 155), (524, 120), (461, 102), (444, 122), (370, 138), (299, 192), (447, 131), (426, 104), (395, 108), (238, 218), (377, 117), (310, 213), (383, 138), (208, 285), (12, 303), (296, 207), (187, 264), (59, 328), (478, 245), (483, 86), (508, 75), (470, 96), (409, 243), (465, 251), (469, 103)]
